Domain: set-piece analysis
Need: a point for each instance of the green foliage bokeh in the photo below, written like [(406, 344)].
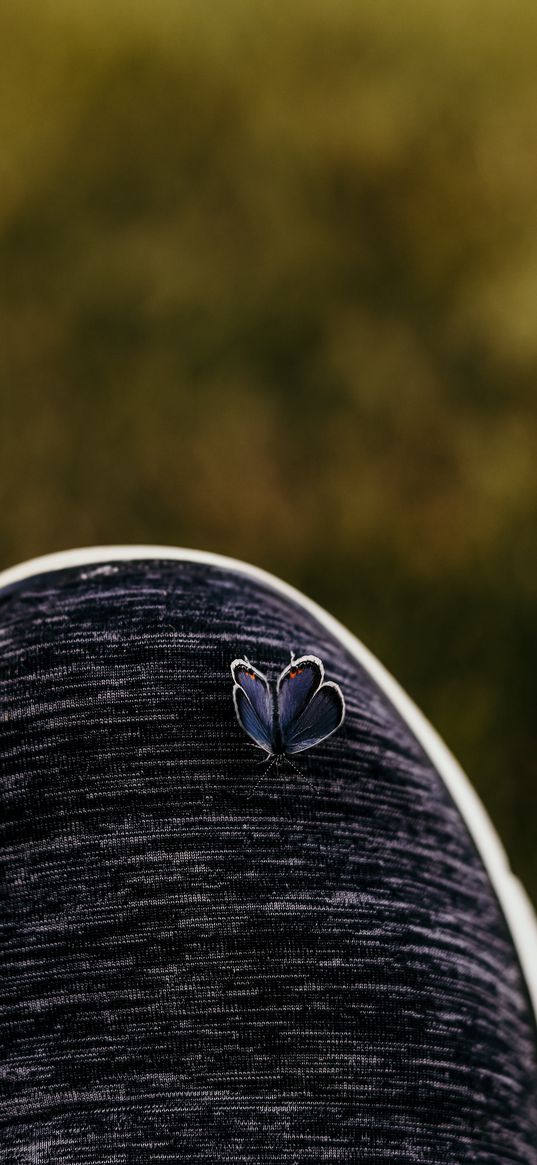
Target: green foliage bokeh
[(268, 286)]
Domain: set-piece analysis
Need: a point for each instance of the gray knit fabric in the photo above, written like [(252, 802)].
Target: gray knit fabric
[(205, 961)]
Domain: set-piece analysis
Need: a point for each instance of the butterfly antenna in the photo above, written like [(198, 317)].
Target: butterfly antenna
[(264, 760), (269, 766), (300, 773)]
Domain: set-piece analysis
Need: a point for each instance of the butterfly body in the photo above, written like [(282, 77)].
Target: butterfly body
[(304, 710)]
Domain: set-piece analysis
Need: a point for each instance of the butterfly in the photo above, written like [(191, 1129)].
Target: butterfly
[(306, 710)]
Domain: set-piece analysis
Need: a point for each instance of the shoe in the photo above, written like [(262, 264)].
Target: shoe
[(224, 943)]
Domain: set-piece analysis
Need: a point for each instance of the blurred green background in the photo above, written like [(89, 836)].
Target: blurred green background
[(268, 286)]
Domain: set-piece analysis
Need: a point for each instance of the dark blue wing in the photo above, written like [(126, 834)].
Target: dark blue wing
[(254, 685), (253, 703), (295, 689), (321, 717), (260, 732)]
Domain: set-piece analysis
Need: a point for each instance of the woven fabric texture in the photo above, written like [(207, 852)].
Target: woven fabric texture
[(205, 961)]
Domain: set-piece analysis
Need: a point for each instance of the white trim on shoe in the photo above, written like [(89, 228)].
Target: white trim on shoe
[(513, 899)]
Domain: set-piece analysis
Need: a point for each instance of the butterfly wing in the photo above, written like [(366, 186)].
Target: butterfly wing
[(309, 709), (253, 704), (295, 688)]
